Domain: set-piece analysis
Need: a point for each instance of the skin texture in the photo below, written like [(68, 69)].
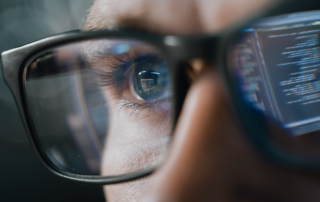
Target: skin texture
[(209, 158), (138, 130)]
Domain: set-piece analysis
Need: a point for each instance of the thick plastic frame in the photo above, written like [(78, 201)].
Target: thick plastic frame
[(177, 50)]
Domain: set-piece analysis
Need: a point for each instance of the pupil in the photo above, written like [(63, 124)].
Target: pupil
[(148, 80), (148, 83)]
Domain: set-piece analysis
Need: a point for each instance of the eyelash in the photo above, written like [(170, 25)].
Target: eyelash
[(118, 70), (117, 77)]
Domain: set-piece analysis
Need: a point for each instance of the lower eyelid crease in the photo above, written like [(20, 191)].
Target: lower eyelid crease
[(125, 104)]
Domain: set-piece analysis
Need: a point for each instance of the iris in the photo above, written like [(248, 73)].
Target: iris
[(150, 78)]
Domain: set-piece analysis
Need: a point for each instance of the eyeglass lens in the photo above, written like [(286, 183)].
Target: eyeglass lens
[(101, 107), (275, 63)]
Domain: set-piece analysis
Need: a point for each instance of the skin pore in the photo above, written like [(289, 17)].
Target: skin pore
[(209, 158)]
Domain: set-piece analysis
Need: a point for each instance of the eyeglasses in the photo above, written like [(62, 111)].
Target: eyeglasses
[(100, 106)]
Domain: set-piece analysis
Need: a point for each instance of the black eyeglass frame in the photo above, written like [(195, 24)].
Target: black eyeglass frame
[(177, 51)]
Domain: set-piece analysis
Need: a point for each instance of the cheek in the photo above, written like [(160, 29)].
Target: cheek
[(137, 137), (129, 191), (134, 146)]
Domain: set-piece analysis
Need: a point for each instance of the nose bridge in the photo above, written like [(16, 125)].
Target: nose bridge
[(196, 159), (183, 51)]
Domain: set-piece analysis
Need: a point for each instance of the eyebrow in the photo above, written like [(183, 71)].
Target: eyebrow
[(89, 24), (92, 22)]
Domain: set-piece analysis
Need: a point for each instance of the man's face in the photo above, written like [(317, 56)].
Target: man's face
[(209, 159)]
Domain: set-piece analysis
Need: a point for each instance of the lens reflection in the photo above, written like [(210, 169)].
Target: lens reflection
[(275, 64), (149, 79), (101, 107)]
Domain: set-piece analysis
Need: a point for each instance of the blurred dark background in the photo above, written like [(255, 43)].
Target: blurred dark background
[(22, 177)]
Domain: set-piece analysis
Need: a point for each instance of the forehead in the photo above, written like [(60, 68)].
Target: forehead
[(178, 17)]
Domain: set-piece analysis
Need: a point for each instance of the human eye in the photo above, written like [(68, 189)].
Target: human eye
[(148, 85), (149, 79), (135, 79)]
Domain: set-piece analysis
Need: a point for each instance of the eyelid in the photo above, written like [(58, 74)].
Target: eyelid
[(127, 104), (114, 72), (110, 72), (117, 70)]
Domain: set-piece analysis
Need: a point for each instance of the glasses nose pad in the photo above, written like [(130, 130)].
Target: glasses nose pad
[(194, 67), (188, 72)]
